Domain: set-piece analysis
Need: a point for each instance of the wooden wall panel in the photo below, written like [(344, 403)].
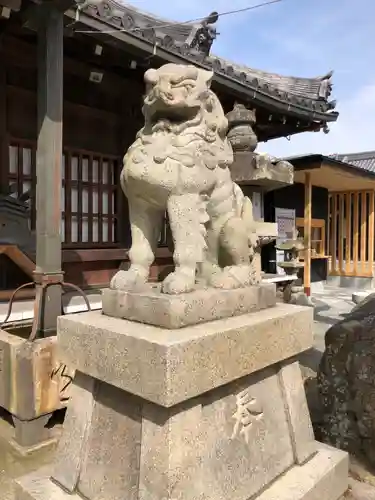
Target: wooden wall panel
[(371, 222), (91, 274), (363, 237), (351, 233), (4, 149), (348, 232), (355, 232), (341, 224)]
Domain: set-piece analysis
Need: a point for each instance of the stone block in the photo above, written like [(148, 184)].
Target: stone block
[(324, 477), (76, 428), (259, 170), (33, 382), (301, 430), (228, 443), (170, 366), (206, 412), (176, 311)]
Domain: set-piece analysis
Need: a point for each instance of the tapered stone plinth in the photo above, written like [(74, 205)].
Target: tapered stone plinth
[(214, 411)]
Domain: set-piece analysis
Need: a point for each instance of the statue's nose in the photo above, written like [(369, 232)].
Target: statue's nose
[(165, 89)]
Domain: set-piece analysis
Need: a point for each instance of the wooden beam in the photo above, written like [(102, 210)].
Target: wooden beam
[(49, 166), (36, 15), (371, 222), (4, 142), (18, 52), (328, 249), (355, 232), (362, 255), (307, 233), (334, 233), (11, 4), (341, 232), (348, 232)]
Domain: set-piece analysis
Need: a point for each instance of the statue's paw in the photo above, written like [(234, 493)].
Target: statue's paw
[(128, 280), (178, 282), (234, 277)]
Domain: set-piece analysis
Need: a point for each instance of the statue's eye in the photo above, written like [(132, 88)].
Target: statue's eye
[(186, 83)]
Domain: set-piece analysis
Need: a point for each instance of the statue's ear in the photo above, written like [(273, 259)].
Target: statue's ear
[(151, 76)]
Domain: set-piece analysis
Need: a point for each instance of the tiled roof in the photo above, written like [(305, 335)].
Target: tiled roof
[(309, 95), (365, 160)]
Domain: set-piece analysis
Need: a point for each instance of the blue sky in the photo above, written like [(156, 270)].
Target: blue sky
[(301, 38)]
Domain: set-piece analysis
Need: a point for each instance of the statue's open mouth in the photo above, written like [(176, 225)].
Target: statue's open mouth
[(175, 116)]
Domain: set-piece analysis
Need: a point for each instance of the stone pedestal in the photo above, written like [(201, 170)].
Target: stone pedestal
[(175, 311), (212, 411)]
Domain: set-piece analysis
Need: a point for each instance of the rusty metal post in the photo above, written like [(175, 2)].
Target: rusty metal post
[(49, 169)]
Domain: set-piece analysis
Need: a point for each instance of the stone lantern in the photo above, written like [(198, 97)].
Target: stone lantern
[(293, 292), (240, 129)]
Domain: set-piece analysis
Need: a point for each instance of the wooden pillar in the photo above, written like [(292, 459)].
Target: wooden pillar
[(49, 166), (371, 236), (307, 233), (4, 142), (129, 115)]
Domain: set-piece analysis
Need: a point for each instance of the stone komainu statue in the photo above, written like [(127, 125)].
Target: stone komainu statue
[(180, 163)]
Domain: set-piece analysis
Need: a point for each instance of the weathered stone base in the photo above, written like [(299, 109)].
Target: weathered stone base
[(324, 477), (31, 435), (214, 411), (25, 451), (170, 366), (26, 437), (175, 311)]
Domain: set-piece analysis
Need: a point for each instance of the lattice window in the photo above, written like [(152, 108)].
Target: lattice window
[(88, 193), (90, 199), (21, 173), (318, 235)]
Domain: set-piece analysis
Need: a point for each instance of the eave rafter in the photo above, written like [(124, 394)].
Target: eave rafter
[(9, 6), (299, 99), (307, 98)]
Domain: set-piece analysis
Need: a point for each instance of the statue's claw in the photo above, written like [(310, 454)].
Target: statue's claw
[(129, 280), (178, 282)]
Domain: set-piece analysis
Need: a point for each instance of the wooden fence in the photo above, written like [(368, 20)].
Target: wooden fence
[(351, 233)]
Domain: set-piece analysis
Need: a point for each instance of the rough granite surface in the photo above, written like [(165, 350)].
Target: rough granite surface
[(346, 382), (153, 362), (176, 311), (324, 477)]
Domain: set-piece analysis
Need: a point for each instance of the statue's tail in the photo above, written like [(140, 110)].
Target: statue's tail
[(244, 210), (244, 206)]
